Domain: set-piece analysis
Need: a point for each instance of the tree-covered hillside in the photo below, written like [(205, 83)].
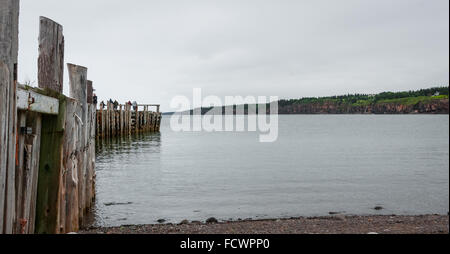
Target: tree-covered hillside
[(410, 97)]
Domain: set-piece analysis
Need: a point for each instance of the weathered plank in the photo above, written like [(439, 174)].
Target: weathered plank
[(50, 170), (35, 121), (90, 92), (26, 171), (19, 173), (9, 29), (32, 101), (90, 158), (121, 123), (130, 120), (51, 55), (4, 137), (50, 76), (70, 165), (78, 91)]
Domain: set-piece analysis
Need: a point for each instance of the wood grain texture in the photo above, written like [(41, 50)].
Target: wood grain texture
[(9, 29), (78, 91), (90, 92), (35, 121), (51, 55), (50, 170), (47, 177), (19, 173), (70, 166)]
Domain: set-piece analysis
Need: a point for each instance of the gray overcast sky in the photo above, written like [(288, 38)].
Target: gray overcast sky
[(151, 51)]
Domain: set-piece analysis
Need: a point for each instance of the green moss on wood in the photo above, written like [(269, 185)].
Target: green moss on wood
[(50, 170)]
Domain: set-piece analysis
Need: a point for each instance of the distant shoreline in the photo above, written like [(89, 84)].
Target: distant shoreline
[(322, 114), (425, 101)]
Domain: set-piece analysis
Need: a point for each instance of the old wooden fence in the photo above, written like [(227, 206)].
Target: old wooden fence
[(125, 120), (47, 140)]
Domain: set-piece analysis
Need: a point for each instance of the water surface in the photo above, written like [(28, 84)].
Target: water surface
[(320, 164)]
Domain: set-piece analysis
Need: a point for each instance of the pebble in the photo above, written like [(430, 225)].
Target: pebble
[(212, 220), (184, 222)]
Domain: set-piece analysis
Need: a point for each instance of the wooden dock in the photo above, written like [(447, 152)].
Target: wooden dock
[(47, 140), (124, 120)]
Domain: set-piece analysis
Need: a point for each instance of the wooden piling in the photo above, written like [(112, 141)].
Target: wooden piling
[(48, 199), (127, 120), (130, 121), (9, 23), (33, 142), (78, 91), (89, 92), (51, 55), (50, 76), (47, 140)]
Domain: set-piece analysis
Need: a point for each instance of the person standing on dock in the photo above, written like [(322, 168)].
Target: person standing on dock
[(116, 104), (135, 105)]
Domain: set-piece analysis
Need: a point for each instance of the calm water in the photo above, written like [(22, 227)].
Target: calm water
[(320, 164)]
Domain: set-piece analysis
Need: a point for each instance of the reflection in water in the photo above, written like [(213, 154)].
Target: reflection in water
[(128, 144)]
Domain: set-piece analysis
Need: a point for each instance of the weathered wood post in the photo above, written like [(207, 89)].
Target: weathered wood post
[(19, 171), (98, 128), (152, 121), (113, 120), (138, 120), (50, 73), (78, 91), (144, 119), (70, 223), (51, 55), (9, 29), (129, 120), (33, 144), (103, 123), (90, 153), (108, 119), (90, 92), (155, 121), (121, 115)]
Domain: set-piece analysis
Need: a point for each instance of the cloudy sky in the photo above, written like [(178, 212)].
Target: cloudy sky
[(151, 51)]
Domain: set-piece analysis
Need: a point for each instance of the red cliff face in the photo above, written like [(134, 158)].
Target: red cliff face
[(434, 107)]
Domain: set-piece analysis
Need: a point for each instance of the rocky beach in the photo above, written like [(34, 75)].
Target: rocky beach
[(336, 224)]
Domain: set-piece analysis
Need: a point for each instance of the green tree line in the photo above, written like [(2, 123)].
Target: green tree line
[(365, 99)]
